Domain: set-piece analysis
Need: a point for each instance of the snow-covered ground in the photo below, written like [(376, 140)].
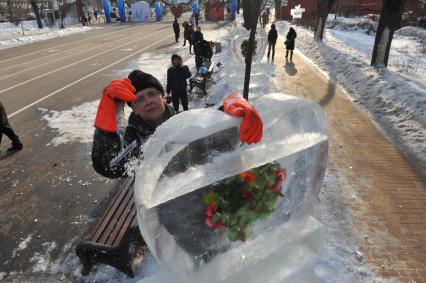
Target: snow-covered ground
[(11, 35), (395, 97)]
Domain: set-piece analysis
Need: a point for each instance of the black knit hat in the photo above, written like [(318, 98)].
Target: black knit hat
[(175, 56), (141, 80)]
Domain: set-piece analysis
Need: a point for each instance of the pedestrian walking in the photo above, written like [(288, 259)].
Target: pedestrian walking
[(177, 75), (188, 32), (6, 129), (176, 29), (272, 40), (95, 13), (290, 42), (89, 18), (265, 18)]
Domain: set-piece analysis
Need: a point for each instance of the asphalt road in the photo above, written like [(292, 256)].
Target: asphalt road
[(50, 194)]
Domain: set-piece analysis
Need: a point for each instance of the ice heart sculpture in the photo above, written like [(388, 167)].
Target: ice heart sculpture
[(177, 11), (214, 210), (239, 35)]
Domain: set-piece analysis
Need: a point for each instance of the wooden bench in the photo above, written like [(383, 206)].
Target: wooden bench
[(110, 241)]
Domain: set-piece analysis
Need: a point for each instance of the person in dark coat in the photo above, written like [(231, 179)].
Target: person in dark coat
[(272, 40), (197, 37), (176, 82), (176, 29), (290, 42), (6, 129), (265, 19), (188, 32), (203, 50)]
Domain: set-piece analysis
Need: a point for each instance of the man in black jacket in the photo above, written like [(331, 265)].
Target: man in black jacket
[(176, 29), (272, 40), (145, 94), (188, 33), (176, 82)]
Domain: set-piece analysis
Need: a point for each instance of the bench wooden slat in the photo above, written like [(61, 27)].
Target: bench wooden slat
[(129, 221), (118, 226), (116, 216), (112, 207)]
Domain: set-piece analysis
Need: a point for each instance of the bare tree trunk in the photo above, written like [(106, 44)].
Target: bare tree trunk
[(248, 59), (79, 9), (10, 11), (278, 10), (390, 20), (323, 8), (251, 13), (37, 14)]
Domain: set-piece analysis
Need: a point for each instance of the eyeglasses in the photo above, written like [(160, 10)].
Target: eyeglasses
[(143, 98)]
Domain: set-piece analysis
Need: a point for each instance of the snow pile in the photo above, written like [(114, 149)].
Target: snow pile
[(11, 35), (75, 124), (352, 24), (22, 245), (396, 100), (416, 32)]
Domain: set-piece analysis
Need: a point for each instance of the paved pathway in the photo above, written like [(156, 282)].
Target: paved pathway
[(388, 196)]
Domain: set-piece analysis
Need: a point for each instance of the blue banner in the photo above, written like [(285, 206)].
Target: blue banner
[(107, 9), (121, 10), (195, 7), (234, 6), (158, 10)]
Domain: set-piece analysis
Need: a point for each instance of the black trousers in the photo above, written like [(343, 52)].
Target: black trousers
[(183, 97), (197, 17), (198, 61), (8, 131), (291, 54), (177, 36), (189, 42), (271, 45)]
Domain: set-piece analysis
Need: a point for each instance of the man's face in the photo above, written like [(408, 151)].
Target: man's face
[(149, 104), (177, 62)]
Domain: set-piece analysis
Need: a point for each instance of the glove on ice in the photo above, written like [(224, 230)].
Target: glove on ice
[(116, 90), (251, 126)]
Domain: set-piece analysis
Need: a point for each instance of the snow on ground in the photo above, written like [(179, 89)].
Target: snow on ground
[(22, 245), (11, 35), (356, 37), (395, 97)]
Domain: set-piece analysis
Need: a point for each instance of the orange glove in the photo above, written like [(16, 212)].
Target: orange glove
[(116, 90), (121, 90), (251, 127)]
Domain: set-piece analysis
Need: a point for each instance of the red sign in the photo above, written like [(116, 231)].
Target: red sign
[(216, 11), (177, 11)]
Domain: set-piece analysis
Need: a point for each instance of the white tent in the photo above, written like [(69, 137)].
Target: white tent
[(140, 12)]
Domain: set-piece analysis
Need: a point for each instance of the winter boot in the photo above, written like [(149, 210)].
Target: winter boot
[(15, 146)]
